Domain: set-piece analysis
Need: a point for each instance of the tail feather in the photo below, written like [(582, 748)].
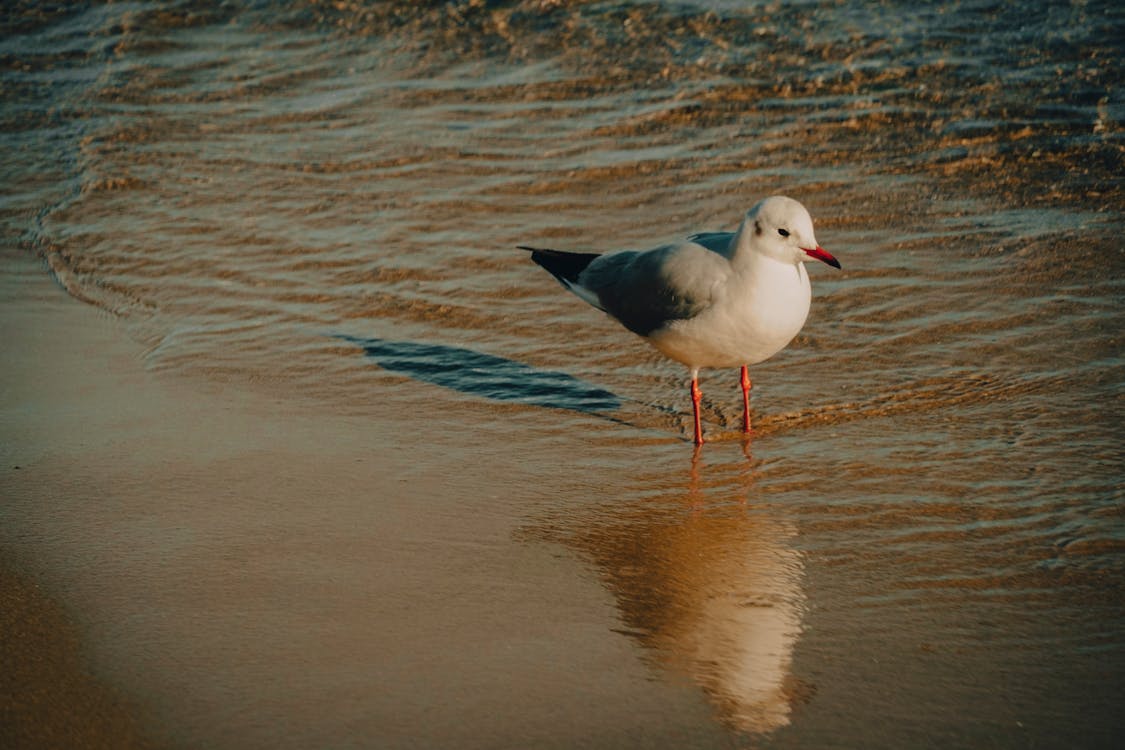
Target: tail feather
[(564, 266)]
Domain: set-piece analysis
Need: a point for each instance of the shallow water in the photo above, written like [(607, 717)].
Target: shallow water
[(321, 203)]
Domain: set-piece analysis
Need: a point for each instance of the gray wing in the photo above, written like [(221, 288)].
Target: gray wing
[(647, 290), (716, 242)]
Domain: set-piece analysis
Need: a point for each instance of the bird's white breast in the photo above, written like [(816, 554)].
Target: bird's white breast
[(754, 315)]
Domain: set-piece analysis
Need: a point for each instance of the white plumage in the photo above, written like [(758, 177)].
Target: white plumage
[(717, 299)]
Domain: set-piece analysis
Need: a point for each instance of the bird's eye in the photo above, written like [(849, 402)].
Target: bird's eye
[(783, 232)]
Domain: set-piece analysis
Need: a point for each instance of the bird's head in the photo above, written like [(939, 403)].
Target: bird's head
[(782, 229)]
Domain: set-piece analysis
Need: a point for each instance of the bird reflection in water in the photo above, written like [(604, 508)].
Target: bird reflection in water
[(708, 582)]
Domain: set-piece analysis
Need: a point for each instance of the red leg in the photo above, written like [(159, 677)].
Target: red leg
[(696, 397), (745, 400)]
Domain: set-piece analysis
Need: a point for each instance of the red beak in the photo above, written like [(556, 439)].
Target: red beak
[(820, 253)]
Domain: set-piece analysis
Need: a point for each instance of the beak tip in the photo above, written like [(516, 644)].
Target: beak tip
[(824, 256)]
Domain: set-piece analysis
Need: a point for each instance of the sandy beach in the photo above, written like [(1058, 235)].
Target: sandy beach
[(211, 584), (50, 697), (190, 565)]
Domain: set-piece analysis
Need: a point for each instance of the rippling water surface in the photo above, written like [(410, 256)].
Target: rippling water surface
[(321, 201)]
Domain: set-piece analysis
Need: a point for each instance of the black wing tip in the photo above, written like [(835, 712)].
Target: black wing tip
[(547, 251), (563, 265)]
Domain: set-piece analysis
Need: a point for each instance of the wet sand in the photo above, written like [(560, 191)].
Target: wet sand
[(206, 599), (208, 566), (50, 699), (49, 695)]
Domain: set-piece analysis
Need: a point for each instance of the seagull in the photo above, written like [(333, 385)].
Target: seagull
[(716, 299)]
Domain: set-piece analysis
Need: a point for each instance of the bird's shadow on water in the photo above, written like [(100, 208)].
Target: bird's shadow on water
[(486, 376)]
